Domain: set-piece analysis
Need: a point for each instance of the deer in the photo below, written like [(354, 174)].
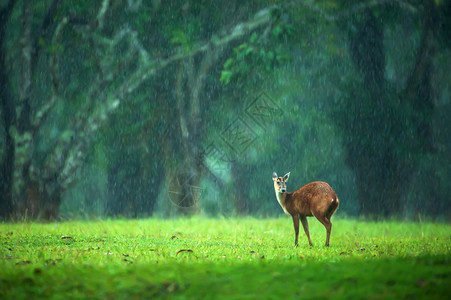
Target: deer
[(313, 199)]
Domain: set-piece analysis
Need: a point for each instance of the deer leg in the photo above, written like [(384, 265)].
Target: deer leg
[(328, 225), (296, 228), (328, 229), (305, 225)]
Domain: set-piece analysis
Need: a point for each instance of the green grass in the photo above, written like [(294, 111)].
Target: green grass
[(223, 259)]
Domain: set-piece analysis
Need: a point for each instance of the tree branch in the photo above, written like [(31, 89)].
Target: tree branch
[(42, 113), (101, 14), (47, 22), (64, 163), (423, 57), (26, 68), (148, 67)]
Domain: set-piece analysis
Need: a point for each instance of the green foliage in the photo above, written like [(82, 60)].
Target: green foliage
[(260, 52), (179, 37), (235, 258)]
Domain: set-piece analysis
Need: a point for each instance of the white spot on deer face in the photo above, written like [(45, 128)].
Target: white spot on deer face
[(280, 185)]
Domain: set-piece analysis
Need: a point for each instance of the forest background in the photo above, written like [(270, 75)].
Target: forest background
[(164, 108)]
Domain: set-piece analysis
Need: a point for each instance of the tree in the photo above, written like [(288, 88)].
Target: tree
[(77, 45), (8, 114), (385, 122), (393, 126)]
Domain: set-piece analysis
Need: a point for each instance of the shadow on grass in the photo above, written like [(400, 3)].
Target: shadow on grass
[(415, 277)]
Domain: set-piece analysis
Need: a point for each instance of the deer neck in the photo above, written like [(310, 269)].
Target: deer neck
[(281, 198)]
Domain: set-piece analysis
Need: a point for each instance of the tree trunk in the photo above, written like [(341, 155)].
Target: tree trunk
[(383, 173), (372, 156), (419, 94), (8, 113)]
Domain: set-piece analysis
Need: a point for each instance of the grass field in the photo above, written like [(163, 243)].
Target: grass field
[(224, 259)]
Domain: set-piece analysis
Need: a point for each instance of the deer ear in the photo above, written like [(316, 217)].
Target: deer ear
[(286, 176), (274, 175)]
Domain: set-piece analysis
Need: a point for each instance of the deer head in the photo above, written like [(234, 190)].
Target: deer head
[(280, 184)]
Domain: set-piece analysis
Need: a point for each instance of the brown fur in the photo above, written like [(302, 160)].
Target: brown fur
[(314, 199)]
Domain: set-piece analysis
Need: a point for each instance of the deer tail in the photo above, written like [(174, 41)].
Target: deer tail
[(332, 207)]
